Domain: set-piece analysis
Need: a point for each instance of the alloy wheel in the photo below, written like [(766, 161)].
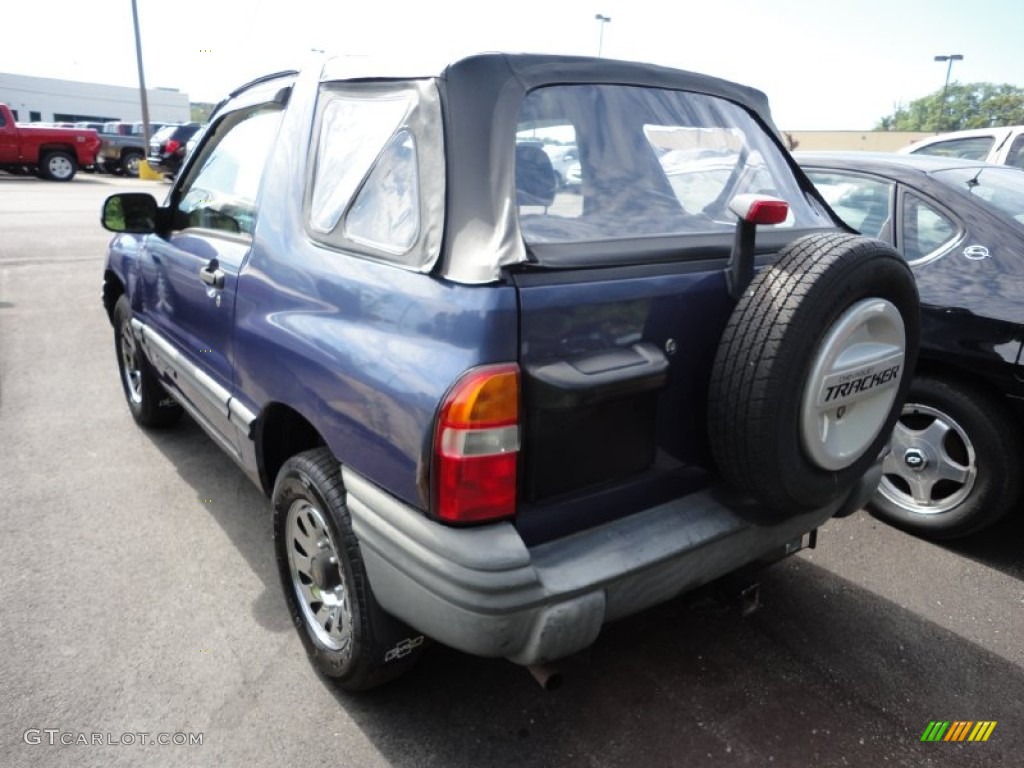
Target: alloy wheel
[(131, 369), (932, 467), (318, 577)]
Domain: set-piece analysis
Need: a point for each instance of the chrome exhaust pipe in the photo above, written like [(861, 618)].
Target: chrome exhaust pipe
[(549, 678)]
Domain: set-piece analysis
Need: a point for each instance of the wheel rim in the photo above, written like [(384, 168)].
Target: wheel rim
[(132, 165), (60, 166), (131, 371), (932, 467), (318, 578), (853, 383)]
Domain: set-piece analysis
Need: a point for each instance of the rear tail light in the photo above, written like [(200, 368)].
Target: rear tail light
[(476, 447), (171, 146)]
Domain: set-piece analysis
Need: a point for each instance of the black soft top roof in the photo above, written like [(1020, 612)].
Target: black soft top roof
[(481, 97), (486, 74)]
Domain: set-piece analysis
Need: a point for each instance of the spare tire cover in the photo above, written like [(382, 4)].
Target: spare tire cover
[(812, 370)]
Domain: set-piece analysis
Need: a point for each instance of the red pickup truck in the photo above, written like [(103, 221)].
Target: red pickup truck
[(51, 153)]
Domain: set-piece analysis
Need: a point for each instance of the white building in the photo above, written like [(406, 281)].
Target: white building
[(35, 99)]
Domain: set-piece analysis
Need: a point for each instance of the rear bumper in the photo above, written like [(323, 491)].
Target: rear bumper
[(481, 590)]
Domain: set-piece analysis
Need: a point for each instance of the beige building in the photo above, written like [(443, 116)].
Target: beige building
[(724, 139), (863, 141)]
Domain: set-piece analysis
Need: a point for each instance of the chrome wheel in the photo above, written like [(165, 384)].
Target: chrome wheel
[(318, 577), (131, 369), (853, 384), (932, 467)]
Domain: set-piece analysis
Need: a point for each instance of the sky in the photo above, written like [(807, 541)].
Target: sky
[(825, 64)]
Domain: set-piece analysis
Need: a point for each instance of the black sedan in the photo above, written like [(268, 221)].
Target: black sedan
[(955, 465), (169, 146)]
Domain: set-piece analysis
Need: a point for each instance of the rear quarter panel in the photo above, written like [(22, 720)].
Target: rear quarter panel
[(364, 351)]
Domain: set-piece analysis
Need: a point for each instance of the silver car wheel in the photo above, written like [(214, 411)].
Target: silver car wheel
[(318, 577), (60, 167), (932, 467), (131, 370)]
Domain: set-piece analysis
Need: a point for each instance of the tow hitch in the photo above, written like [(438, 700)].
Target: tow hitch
[(732, 594)]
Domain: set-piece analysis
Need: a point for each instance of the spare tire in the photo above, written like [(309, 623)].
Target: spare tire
[(812, 370)]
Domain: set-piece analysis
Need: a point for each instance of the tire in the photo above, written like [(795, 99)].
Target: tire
[(349, 638), (57, 165), (953, 469), (129, 164), (148, 401), (785, 426)]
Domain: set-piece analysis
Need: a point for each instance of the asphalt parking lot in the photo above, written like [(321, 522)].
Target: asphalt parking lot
[(139, 595)]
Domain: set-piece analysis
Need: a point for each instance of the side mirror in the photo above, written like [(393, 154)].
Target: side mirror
[(134, 212)]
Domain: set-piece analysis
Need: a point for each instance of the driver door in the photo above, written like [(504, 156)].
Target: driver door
[(191, 274)]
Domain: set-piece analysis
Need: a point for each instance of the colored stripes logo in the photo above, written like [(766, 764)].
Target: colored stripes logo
[(958, 730)]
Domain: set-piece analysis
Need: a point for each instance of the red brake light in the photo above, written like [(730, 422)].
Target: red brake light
[(768, 212), (476, 447), (171, 146), (760, 209)]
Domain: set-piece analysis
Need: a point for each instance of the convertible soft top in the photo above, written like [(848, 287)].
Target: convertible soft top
[(481, 98), (484, 76)]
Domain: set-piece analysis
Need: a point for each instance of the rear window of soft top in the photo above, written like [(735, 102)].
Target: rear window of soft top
[(647, 162)]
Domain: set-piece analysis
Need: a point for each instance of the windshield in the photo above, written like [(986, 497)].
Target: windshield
[(644, 162), (999, 188)]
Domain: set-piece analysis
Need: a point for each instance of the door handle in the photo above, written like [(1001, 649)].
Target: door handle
[(212, 275)]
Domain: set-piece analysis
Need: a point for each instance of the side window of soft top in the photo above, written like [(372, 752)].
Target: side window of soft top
[(221, 189), (375, 188)]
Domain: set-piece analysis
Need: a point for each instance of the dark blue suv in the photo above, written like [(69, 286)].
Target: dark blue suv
[(493, 412)]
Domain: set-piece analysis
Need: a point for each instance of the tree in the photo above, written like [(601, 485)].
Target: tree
[(201, 111), (968, 105)]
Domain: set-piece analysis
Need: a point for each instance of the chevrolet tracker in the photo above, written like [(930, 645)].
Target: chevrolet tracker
[(491, 410), (855, 383)]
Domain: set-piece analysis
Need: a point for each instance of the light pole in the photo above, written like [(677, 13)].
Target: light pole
[(949, 68), (142, 77), (601, 20)]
